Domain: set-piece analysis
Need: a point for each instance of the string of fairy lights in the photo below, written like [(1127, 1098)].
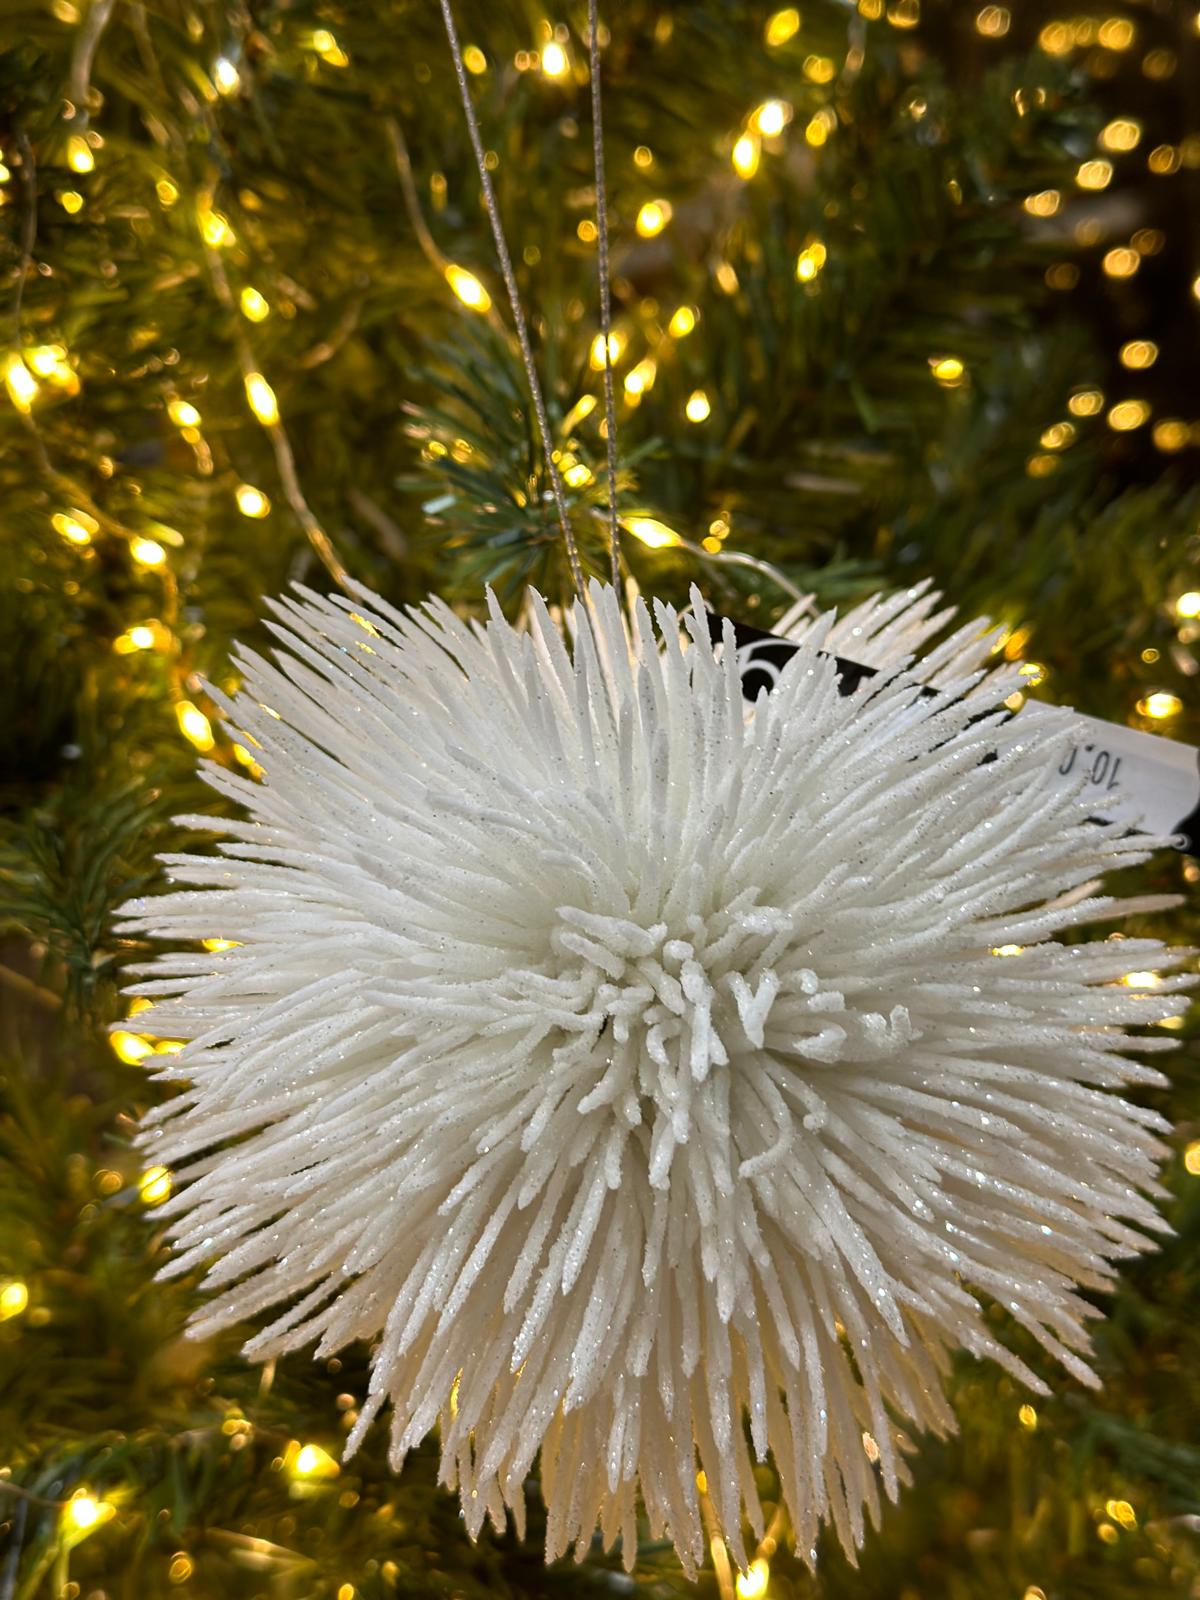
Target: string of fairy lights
[(764, 130), (39, 376), (307, 1468)]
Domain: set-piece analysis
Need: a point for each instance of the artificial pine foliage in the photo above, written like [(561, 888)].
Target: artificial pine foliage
[(941, 322)]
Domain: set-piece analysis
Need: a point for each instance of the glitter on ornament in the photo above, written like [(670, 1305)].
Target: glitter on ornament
[(628, 1061)]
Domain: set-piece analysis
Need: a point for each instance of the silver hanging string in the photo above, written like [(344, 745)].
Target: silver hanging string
[(514, 300), (610, 410)]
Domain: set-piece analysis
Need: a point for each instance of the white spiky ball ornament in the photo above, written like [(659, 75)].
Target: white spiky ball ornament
[(629, 1062)]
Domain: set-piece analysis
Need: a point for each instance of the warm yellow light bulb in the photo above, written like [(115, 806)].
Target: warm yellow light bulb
[(993, 22), (1158, 706), (20, 382), (216, 946), (554, 61), (329, 50), (147, 552), (1086, 403), (1014, 643), (1188, 604), (1121, 1511), (14, 1297), (820, 126), (782, 26), (639, 380), (71, 201), (154, 1186), (76, 527), (579, 412), (745, 156), (596, 355), (226, 75), (183, 414), (653, 218), (1160, 64), (261, 399), (252, 502), (1043, 204), (654, 534), (810, 261), (771, 118), (140, 637), (254, 305), (752, 1584), (215, 229), (1122, 133), (1028, 1418), (194, 725), (61, 373), (1121, 262), (474, 60), (1095, 174), (1138, 353), (1163, 160), (1056, 39), (167, 192), (45, 359), (1127, 415), (468, 288), (697, 408), (79, 154), (1116, 34), (246, 757), (948, 370), (683, 321), (129, 1047), (1191, 1158), (1058, 436), (85, 1512), (313, 1462), (1171, 434)]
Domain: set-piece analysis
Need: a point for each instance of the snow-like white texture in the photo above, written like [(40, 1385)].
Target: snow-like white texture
[(637, 1068)]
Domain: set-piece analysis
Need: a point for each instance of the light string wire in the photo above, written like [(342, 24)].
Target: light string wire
[(514, 300), (610, 410)]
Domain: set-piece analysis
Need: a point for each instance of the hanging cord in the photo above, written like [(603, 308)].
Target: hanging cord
[(514, 300), (610, 410)]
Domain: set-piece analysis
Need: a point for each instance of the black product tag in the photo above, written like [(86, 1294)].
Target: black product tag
[(1153, 783)]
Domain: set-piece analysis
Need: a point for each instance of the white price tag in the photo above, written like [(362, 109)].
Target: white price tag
[(1150, 782)]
